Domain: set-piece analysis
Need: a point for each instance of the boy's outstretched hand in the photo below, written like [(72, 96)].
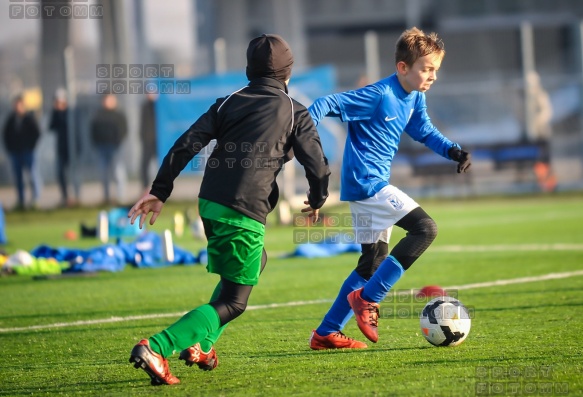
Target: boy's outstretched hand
[(313, 214), (148, 203)]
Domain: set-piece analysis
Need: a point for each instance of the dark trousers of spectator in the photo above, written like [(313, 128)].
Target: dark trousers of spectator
[(107, 163), (24, 162), (148, 156), (62, 165)]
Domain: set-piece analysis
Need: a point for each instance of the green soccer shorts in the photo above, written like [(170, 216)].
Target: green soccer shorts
[(235, 243)]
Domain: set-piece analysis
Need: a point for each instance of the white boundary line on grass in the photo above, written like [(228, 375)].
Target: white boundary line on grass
[(508, 247), (150, 316), (521, 280)]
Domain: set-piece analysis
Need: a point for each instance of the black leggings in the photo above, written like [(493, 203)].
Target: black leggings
[(421, 231), (232, 300), (371, 258)]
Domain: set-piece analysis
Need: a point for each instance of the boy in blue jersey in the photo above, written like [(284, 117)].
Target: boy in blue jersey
[(377, 115)]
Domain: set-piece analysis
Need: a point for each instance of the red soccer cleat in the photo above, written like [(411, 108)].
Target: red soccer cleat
[(336, 340), (194, 355), (153, 363), (366, 314)]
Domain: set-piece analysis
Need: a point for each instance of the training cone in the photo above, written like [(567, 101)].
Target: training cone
[(430, 291)]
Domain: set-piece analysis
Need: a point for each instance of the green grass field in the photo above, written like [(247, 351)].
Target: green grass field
[(525, 338)]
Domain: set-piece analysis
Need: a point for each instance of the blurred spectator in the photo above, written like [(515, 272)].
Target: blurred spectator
[(541, 131), (148, 137), (108, 130), (59, 125), (21, 134)]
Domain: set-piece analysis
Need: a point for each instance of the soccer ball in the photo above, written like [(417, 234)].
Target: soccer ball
[(445, 321)]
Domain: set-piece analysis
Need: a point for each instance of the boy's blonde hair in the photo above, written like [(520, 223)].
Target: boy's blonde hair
[(414, 44)]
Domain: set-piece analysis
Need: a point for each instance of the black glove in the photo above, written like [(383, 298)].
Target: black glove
[(463, 158)]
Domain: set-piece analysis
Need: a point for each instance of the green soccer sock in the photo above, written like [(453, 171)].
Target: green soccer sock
[(193, 327), (211, 339)]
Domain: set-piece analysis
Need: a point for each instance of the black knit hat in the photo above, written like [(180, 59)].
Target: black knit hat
[(269, 56)]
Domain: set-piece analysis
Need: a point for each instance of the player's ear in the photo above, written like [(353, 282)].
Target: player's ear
[(402, 67)]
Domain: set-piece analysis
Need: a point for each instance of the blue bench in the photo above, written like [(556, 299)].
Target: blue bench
[(504, 156)]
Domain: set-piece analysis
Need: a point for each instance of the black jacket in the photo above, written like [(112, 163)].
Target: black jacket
[(21, 135), (108, 127), (257, 130)]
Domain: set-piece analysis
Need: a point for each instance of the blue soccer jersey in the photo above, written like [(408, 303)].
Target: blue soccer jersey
[(377, 115)]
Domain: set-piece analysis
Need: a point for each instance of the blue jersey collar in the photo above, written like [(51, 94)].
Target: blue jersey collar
[(398, 89)]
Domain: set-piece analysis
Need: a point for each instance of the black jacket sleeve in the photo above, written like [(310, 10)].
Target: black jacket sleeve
[(188, 145), (308, 150)]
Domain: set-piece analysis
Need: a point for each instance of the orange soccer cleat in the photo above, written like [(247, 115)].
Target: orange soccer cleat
[(195, 355), (336, 340), (366, 314)]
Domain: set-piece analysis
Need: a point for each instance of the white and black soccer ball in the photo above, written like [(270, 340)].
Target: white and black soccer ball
[(445, 321)]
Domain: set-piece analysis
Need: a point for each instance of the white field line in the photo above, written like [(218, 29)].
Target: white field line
[(150, 316), (508, 247), (521, 280)]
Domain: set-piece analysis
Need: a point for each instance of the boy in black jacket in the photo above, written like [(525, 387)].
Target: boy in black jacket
[(257, 129)]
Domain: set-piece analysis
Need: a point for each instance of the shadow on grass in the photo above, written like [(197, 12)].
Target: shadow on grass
[(96, 387), (304, 353)]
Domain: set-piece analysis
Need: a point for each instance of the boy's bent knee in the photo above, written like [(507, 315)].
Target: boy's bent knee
[(428, 228), (232, 300)]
